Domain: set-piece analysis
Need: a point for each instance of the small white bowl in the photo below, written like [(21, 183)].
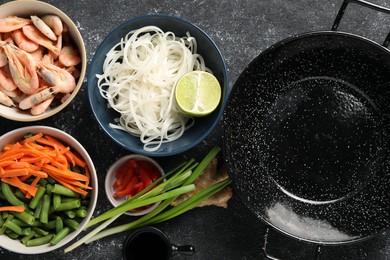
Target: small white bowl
[(110, 180), (26, 8), (17, 134)]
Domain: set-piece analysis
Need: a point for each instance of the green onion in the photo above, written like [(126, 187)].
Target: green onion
[(181, 181)]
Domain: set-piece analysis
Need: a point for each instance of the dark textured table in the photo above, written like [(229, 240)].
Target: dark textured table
[(242, 29)]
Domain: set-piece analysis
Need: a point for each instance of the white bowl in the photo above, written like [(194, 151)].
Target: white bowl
[(25, 8), (17, 134), (110, 180)]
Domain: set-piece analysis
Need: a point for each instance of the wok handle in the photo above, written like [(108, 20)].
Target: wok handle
[(270, 257), (365, 4)]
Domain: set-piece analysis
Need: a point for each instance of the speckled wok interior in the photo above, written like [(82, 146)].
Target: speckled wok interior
[(306, 137)]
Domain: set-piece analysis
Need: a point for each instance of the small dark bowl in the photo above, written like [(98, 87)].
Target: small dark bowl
[(213, 59)]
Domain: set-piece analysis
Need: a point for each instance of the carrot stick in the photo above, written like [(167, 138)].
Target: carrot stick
[(18, 165), (9, 157), (66, 184), (14, 173), (14, 181), (88, 175), (6, 163), (65, 173), (61, 165), (32, 138), (70, 159), (51, 141), (42, 156), (11, 146), (36, 173), (12, 208), (75, 159)]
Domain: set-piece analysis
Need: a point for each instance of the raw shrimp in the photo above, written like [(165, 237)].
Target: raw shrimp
[(12, 23), (58, 45), (57, 77), (14, 94), (6, 100), (3, 58), (54, 22), (6, 80), (37, 98), (22, 67), (38, 54), (74, 71), (41, 107), (32, 74), (35, 35), (43, 27), (48, 58), (69, 56), (23, 42)]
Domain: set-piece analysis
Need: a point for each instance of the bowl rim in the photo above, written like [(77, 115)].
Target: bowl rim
[(13, 245), (224, 96), (110, 178), (83, 55)]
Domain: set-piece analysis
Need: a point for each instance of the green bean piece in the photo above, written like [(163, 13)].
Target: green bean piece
[(2, 195), (1, 221), (5, 214), (44, 216), (9, 195), (77, 169), (20, 195), (49, 188), (24, 216), (59, 224), (36, 223), (40, 231), (60, 189), (20, 223), (81, 212), (13, 226), (70, 213), (28, 210), (56, 201), (40, 240), (26, 231), (51, 225), (38, 209), (60, 235), (68, 199), (12, 235), (69, 205), (50, 180), (28, 135), (27, 237), (38, 197), (72, 223), (2, 230), (43, 182)]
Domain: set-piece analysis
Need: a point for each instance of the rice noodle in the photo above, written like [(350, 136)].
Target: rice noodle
[(138, 80)]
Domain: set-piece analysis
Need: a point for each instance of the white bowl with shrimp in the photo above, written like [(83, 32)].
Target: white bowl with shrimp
[(18, 134), (70, 36), (189, 137)]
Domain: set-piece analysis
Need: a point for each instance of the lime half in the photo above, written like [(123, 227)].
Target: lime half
[(198, 93)]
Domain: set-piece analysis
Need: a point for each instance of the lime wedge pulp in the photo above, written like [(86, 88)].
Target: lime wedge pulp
[(198, 93)]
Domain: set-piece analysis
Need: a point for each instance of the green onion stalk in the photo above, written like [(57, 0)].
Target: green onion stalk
[(177, 182)]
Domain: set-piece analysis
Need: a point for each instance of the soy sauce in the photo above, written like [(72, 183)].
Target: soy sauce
[(147, 246)]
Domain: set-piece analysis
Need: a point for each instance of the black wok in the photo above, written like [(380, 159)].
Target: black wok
[(306, 136)]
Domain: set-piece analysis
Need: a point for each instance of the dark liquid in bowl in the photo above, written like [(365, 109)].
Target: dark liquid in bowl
[(147, 246)]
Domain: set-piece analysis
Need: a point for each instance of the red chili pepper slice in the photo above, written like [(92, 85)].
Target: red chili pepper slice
[(129, 188), (144, 176)]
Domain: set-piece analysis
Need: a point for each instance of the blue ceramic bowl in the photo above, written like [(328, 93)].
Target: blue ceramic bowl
[(213, 59)]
